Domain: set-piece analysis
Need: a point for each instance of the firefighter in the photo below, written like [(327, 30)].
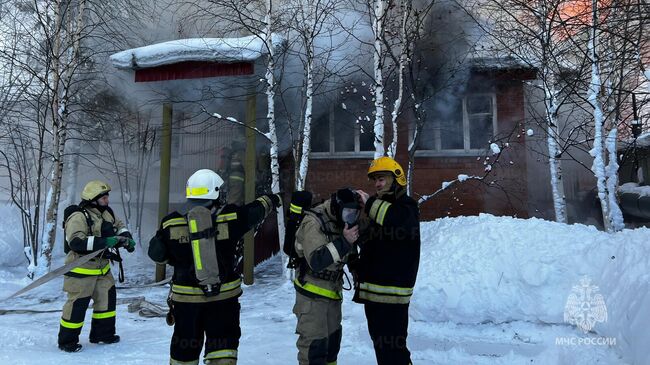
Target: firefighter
[(91, 226), (324, 242), (205, 289), (236, 174), (388, 261)]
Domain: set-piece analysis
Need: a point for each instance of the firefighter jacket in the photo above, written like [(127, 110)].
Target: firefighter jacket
[(171, 245), (80, 239), (324, 251), (390, 251)]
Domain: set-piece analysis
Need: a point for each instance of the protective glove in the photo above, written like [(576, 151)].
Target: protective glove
[(276, 199), (129, 245), (112, 241)]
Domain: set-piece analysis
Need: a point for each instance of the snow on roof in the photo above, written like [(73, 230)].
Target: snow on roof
[(506, 53), (247, 48), (485, 53), (634, 188), (641, 141)]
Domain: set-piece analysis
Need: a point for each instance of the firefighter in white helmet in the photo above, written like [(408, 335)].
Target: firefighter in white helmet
[(200, 243)]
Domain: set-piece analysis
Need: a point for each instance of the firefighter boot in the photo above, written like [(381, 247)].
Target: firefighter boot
[(108, 340), (70, 347)]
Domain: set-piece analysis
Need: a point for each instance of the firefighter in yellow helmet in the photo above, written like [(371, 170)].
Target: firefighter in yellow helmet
[(200, 243), (90, 226), (388, 262)]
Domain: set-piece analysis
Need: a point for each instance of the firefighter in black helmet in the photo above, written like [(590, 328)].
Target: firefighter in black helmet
[(91, 226), (324, 242), (388, 261)]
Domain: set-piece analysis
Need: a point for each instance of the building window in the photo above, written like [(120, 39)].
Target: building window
[(459, 126), (342, 131)]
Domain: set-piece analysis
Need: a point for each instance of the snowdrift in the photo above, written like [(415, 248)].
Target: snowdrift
[(11, 238), (500, 269)]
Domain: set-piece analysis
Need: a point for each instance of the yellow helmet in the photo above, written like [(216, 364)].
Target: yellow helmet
[(94, 189), (387, 164)]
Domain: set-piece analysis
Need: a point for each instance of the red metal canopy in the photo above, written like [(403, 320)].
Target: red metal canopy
[(193, 70)]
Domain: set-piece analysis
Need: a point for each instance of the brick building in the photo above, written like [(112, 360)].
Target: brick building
[(493, 99)]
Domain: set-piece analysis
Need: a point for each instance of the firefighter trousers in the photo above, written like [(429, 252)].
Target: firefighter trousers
[(388, 328), (216, 322), (101, 289), (319, 330)]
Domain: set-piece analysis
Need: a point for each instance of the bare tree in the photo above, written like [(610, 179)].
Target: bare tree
[(314, 24), (615, 37), (56, 49), (531, 32), (122, 142), (585, 56)]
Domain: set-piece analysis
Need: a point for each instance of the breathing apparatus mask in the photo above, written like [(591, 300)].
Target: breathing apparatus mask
[(345, 204), (350, 216)]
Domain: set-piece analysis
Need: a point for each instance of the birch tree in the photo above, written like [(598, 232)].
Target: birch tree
[(269, 77), (530, 32), (62, 25), (614, 48), (257, 17), (46, 59), (396, 26), (584, 54), (54, 49), (378, 17), (311, 22)]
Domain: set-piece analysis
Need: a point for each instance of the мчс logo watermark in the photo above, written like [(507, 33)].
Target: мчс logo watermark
[(585, 307)]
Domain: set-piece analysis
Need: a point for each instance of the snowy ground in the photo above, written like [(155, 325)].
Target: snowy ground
[(490, 291)]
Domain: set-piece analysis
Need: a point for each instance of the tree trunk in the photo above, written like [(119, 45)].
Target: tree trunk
[(555, 165), (273, 136), (378, 11), (597, 152), (306, 134)]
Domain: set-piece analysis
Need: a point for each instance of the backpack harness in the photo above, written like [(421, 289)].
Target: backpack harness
[(112, 254), (326, 275), (204, 249)]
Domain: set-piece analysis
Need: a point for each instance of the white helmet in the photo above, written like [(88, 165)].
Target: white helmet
[(203, 184)]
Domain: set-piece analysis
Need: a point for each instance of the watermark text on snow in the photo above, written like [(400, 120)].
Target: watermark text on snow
[(585, 341), (584, 308)]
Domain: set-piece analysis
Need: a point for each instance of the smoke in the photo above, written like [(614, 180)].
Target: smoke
[(444, 56), (343, 68)]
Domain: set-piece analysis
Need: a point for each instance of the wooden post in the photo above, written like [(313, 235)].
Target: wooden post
[(249, 186), (165, 161)]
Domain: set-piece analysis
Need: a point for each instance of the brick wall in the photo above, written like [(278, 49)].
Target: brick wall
[(504, 191)]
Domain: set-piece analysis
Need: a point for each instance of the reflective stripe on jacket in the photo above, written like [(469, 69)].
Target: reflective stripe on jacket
[(194, 294), (384, 294), (319, 241), (390, 250), (172, 245), (82, 242)]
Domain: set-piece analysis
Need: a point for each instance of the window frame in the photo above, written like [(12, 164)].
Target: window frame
[(357, 153), (467, 150)]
